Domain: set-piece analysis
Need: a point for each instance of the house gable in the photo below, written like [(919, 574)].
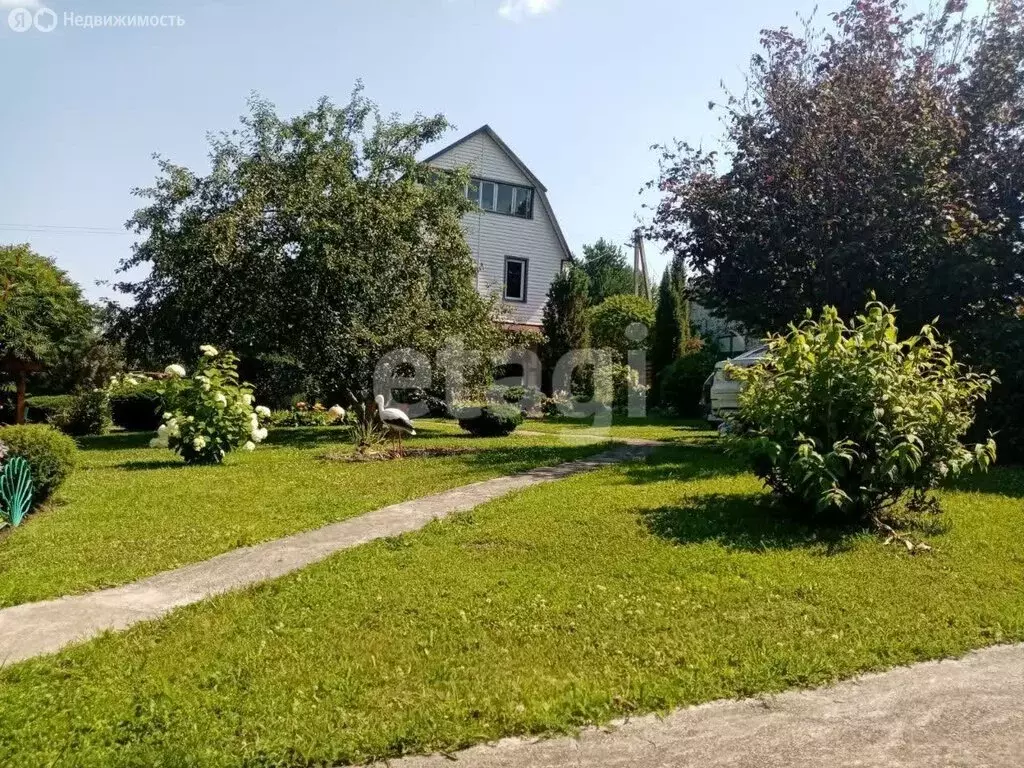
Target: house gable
[(495, 238)]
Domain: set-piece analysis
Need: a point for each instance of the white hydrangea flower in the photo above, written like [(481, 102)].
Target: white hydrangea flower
[(249, 446), (162, 430), (175, 370), (168, 416), (247, 398), (209, 350), (259, 435), (158, 442), (262, 410), (199, 443), (221, 399), (337, 413)]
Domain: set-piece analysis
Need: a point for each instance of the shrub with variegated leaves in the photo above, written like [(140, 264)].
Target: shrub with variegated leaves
[(848, 421), (209, 413)]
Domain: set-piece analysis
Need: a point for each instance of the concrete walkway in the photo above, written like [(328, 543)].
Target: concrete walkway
[(35, 629), (963, 714)]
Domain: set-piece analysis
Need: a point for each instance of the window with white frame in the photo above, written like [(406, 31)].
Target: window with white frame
[(516, 275), (496, 197)]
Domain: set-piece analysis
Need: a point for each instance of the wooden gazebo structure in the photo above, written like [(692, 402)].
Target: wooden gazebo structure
[(19, 370)]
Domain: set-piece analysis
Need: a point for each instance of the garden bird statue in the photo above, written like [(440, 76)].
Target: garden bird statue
[(396, 421)]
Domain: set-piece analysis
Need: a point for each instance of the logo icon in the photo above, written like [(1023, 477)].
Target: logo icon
[(20, 19), (45, 20)]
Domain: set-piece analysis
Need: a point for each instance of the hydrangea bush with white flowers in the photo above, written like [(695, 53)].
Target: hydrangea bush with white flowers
[(211, 413)]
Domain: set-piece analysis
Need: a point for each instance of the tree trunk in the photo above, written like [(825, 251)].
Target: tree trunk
[(19, 412)]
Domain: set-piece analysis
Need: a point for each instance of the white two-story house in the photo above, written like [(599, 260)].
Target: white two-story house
[(516, 241)]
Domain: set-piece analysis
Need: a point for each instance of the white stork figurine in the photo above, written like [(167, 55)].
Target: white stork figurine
[(396, 421)]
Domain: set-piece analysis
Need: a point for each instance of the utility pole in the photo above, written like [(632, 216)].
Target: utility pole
[(641, 283)]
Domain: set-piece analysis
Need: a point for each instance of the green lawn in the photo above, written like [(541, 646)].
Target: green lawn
[(647, 428), (130, 511), (533, 614)]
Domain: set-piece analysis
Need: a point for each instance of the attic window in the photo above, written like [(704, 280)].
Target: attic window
[(496, 197)]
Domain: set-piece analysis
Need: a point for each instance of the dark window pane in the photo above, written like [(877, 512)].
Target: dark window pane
[(513, 280), (487, 200), (524, 202), (505, 201), (473, 191)]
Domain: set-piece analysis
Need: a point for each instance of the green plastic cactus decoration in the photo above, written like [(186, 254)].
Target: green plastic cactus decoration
[(15, 491)]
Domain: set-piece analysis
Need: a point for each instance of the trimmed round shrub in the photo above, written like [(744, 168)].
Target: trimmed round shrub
[(46, 409), (496, 420), (51, 455), (86, 414), (137, 408), (844, 421)]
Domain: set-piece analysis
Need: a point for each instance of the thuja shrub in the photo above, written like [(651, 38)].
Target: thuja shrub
[(849, 423)]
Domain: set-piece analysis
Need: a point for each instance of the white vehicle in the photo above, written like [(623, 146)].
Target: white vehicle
[(721, 392)]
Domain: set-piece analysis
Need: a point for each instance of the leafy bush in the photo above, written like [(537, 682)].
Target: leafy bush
[(495, 420), (558, 405), (135, 403), (626, 386), (45, 409), (303, 415), (86, 414), (210, 413), (525, 398), (51, 455), (681, 384), (844, 421), (610, 320)]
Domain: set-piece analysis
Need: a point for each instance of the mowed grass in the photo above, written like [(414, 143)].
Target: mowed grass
[(130, 511), (623, 427), (534, 614)]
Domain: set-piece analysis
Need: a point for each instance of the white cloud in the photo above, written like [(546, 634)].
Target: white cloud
[(517, 10), (19, 4)]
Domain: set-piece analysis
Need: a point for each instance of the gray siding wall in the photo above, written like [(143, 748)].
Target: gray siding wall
[(492, 236)]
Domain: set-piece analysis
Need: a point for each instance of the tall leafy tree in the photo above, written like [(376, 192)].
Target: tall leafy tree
[(606, 267), (672, 318), (566, 324), (317, 239), (882, 155), (44, 319)]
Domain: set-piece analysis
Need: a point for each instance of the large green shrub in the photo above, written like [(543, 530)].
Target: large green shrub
[(610, 320), (494, 420), (136, 404), (845, 420), (50, 454), (87, 413), (682, 382)]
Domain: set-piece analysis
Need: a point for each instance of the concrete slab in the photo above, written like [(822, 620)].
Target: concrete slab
[(35, 629), (948, 714)]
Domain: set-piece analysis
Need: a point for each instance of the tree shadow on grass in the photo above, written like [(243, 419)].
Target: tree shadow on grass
[(743, 522)]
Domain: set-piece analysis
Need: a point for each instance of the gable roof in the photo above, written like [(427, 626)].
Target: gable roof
[(542, 191)]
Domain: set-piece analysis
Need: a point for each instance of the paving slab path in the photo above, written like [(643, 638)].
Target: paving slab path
[(34, 629), (947, 714)]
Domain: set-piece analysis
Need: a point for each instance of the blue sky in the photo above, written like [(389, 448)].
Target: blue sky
[(580, 89)]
